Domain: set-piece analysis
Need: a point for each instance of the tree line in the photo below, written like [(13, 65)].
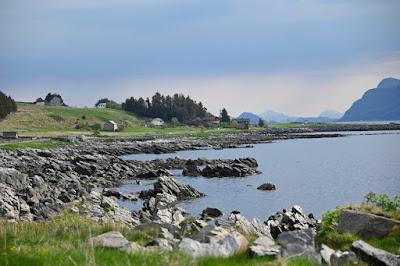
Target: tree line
[(7, 105), (166, 107)]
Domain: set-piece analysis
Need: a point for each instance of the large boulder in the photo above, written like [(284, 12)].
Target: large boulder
[(231, 244), (299, 243), (374, 256), (365, 225), (265, 246), (168, 185)]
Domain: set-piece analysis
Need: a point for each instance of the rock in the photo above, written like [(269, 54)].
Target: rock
[(191, 170), (247, 227), (233, 243), (13, 178), (339, 258), (211, 233), (264, 246), (374, 256), (168, 185), (298, 243), (267, 186), (326, 253), (211, 213), (11, 207), (113, 239), (160, 244), (153, 174), (236, 168), (295, 219), (365, 225), (172, 216)]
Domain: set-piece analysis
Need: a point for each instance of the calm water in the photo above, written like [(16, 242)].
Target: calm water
[(318, 174)]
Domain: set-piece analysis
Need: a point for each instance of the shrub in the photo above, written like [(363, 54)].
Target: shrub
[(383, 201)]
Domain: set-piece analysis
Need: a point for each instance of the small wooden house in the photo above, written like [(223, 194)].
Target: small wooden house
[(101, 105), (110, 126), (39, 101), (10, 135)]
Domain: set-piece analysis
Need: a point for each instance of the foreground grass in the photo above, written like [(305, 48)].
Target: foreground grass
[(34, 145), (63, 241)]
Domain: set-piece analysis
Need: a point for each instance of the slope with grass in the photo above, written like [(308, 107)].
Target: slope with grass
[(46, 119)]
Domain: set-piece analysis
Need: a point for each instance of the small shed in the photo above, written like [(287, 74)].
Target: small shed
[(157, 122), (10, 135), (101, 105), (110, 126)]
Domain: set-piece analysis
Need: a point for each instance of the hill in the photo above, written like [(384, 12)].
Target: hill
[(254, 119), (331, 114), (378, 104), (33, 118)]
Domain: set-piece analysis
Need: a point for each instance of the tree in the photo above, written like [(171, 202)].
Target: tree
[(7, 105), (261, 122), (178, 106), (224, 116)]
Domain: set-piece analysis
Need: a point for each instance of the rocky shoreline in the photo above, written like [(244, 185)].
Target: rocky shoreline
[(36, 184)]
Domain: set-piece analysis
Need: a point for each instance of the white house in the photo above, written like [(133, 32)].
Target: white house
[(102, 105), (110, 126), (157, 122), (39, 101)]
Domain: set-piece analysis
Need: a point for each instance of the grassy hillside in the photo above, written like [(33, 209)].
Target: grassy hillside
[(46, 119)]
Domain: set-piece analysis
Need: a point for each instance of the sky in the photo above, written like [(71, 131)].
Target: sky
[(299, 57)]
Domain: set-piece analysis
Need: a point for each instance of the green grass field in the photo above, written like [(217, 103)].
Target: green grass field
[(47, 121)]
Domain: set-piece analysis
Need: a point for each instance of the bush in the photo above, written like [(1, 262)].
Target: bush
[(383, 201)]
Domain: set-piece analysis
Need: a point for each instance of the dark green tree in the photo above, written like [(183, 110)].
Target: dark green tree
[(7, 105), (261, 123), (225, 116)]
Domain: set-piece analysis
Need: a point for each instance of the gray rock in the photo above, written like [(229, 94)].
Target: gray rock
[(11, 207), (374, 256), (365, 225), (299, 243), (113, 239), (267, 186), (326, 253), (233, 243), (211, 212), (247, 227), (13, 178), (339, 258), (265, 246)]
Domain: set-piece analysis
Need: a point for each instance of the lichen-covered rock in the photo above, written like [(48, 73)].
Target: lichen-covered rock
[(12, 207), (265, 246), (365, 225)]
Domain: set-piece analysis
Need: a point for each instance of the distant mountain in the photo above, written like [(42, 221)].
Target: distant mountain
[(275, 117), (331, 114), (379, 104), (252, 117)]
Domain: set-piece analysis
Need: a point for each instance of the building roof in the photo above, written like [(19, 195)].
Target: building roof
[(111, 122)]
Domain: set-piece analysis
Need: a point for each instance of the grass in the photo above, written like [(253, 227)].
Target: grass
[(63, 240), (34, 145), (47, 120), (329, 235)]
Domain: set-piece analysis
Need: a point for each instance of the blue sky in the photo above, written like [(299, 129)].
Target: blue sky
[(298, 57)]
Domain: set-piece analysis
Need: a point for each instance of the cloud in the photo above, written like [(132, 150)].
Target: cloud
[(305, 93)]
